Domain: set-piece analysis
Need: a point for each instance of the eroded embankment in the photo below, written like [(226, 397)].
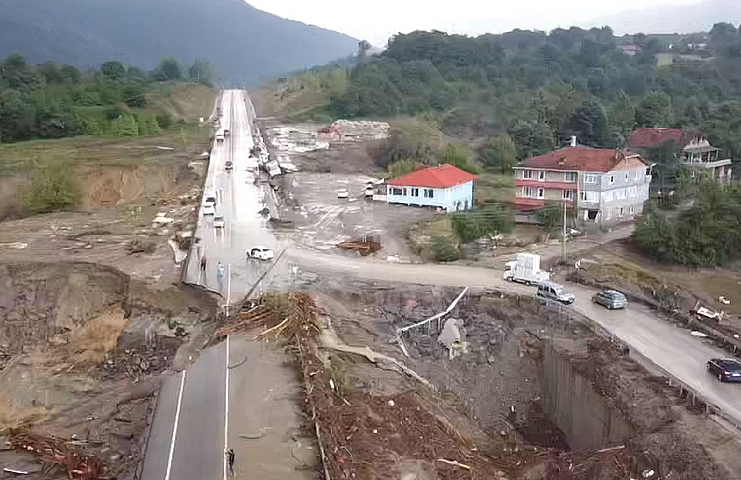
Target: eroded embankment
[(83, 346)]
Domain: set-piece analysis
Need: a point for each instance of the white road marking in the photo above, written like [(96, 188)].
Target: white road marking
[(226, 406), (175, 426)]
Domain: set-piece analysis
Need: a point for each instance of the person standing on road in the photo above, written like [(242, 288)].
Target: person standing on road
[(230, 460), (203, 263)]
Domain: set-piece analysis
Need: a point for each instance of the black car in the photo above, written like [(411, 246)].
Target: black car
[(725, 369)]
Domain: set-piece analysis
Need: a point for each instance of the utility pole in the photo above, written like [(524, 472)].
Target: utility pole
[(563, 235)]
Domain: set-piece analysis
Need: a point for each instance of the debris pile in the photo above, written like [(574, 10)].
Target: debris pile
[(364, 245), (57, 453), (358, 131)]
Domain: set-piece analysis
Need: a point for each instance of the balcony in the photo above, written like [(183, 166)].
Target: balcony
[(707, 165)]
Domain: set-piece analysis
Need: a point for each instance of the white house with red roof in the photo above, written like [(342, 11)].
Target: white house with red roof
[(602, 185), (443, 186)]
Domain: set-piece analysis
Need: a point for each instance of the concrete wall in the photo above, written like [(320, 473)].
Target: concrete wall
[(570, 401)]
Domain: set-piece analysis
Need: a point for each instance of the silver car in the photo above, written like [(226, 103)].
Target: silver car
[(610, 299), (555, 292)]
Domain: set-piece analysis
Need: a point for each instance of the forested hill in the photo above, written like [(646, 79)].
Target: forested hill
[(241, 42), (541, 88)]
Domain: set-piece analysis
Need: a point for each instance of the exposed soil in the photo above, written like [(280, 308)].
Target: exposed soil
[(501, 370), (83, 347)]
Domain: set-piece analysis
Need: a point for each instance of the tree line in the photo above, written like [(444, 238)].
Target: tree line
[(531, 90), (53, 101)]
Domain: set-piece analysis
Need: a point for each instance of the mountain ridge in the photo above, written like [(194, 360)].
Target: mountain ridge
[(242, 43)]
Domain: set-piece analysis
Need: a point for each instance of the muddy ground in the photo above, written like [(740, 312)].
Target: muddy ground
[(492, 395)]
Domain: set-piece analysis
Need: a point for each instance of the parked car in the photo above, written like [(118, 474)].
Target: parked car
[(227, 132), (220, 136), (610, 299), (555, 292), (228, 166), (343, 193), (260, 253), (208, 209), (725, 369), (219, 221)]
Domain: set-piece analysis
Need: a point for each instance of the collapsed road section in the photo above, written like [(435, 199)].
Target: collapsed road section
[(516, 391)]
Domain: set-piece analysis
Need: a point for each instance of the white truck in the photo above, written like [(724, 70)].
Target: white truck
[(525, 269)]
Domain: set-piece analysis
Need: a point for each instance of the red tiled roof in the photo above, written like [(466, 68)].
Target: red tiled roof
[(578, 158), (441, 176), (655, 137)]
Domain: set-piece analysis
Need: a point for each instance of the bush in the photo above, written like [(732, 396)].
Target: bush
[(125, 126), (53, 187), (443, 249), (549, 216), (401, 168), (490, 220), (164, 121)]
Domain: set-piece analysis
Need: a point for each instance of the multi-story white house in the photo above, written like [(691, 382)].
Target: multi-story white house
[(443, 186), (691, 148), (602, 186)]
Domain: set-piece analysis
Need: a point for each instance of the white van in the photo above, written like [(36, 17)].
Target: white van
[(555, 292)]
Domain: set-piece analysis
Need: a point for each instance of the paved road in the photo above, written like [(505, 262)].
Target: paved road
[(239, 200), (196, 408), (670, 347)]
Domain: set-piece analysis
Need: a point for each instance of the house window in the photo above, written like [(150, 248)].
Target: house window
[(590, 178), (541, 175), (626, 176), (404, 191), (415, 192), (568, 195), (607, 196), (589, 197), (612, 179), (429, 193), (570, 176), (541, 193), (527, 174), (621, 213), (637, 174), (396, 191), (632, 209)]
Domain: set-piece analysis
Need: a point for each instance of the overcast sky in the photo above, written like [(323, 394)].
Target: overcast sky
[(376, 20)]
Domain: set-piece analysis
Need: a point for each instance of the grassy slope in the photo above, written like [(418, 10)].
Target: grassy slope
[(189, 101)]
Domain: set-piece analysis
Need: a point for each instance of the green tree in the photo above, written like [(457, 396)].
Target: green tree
[(724, 40), (168, 69), (125, 125), (113, 70), (69, 74), (500, 152), (550, 216), (201, 72), (51, 73), (589, 124), (53, 187), (623, 115), (655, 110), (443, 249), (460, 157), (401, 168)]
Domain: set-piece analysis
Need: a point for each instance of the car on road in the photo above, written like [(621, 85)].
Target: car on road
[(725, 369), (343, 193), (227, 132), (220, 136), (208, 209), (210, 199), (228, 166), (553, 291), (260, 253), (610, 299), (219, 222)]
